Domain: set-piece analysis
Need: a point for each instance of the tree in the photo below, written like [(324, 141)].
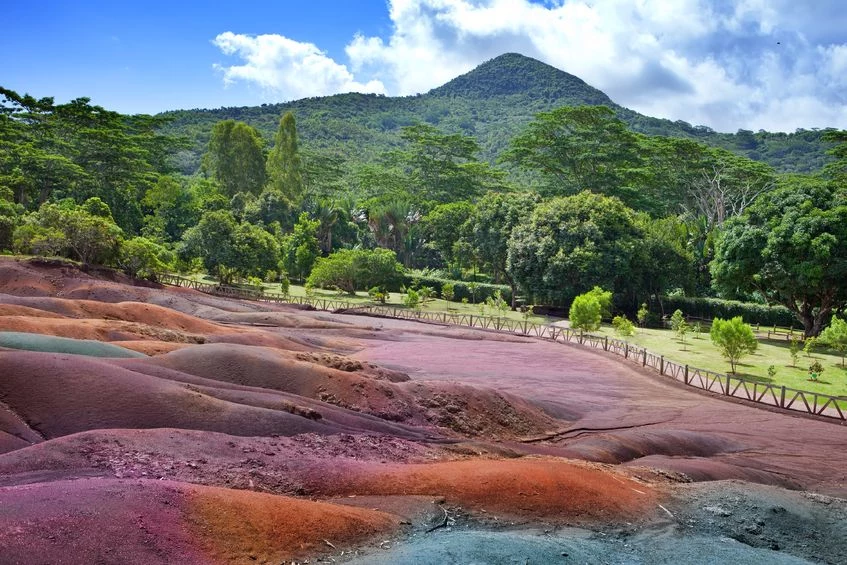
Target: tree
[(211, 240), (584, 314), (490, 228), (643, 312), (10, 217), (171, 209), (835, 336), (443, 227), (300, 248), (570, 244), (284, 166), (791, 247), (734, 338), (581, 148), (679, 325), (443, 167), (236, 158), (140, 257), (72, 230)]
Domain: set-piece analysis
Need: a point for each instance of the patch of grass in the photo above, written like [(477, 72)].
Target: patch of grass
[(700, 352)]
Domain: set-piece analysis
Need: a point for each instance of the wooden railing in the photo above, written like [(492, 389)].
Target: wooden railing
[(769, 394)]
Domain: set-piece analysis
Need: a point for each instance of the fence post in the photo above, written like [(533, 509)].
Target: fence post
[(727, 385), (626, 350), (685, 375), (782, 398), (644, 361), (606, 343), (662, 365)]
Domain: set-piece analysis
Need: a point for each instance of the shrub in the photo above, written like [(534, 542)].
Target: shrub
[(585, 313), (709, 308), (355, 269), (643, 312), (140, 257), (623, 327), (473, 291), (734, 338), (378, 294), (412, 299)]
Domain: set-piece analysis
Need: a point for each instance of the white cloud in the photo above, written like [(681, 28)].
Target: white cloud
[(288, 68), (748, 64)]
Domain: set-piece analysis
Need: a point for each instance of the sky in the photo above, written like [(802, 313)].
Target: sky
[(776, 65)]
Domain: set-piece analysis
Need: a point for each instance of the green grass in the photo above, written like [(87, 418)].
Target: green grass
[(700, 352)]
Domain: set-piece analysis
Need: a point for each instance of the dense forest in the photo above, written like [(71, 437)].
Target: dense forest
[(492, 104), (515, 180)]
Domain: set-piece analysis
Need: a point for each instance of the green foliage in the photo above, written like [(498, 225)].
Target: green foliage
[(443, 227), (581, 148), (300, 248), (10, 217), (734, 338), (573, 243), (642, 314), (140, 257), (230, 249), (357, 269), (447, 291), (497, 304), (473, 291), (771, 372), (379, 294), (236, 158), (426, 294), (791, 247), (835, 336), (701, 307), (794, 350), (679, 325), (412, 299), (284, 166), (809, 346), (585, 312), (623, 327), (71, 230), (815, 370)]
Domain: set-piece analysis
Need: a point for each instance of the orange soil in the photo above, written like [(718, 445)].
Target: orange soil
[(244, 527), (15, 310), (153, 347), (532, 488)]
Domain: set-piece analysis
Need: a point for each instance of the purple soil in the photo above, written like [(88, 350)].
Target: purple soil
[(620, 414)]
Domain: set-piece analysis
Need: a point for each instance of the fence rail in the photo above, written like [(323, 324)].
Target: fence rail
[(775, 396)]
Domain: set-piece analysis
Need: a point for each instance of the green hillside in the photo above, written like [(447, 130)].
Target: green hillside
[(493, 102)]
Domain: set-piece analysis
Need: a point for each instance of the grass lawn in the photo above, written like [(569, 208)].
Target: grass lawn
[(700, 352)]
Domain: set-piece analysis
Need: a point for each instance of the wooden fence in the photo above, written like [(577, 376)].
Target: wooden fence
[(775, 396)]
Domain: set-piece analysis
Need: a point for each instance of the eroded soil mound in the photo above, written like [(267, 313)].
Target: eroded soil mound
[(140, 521)]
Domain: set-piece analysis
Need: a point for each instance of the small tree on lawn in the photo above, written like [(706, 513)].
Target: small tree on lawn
[(447, 293), (734, 338), (835, 336), (680, 326), (497, 304), (585, 313), (794, 350), (643, 312)]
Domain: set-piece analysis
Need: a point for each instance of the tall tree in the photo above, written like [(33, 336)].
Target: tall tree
[(444, 167), (490, 228), (581, 148), (791, 247), (285, 167), (236, 158)]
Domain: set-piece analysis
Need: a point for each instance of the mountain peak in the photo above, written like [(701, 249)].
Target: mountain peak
[(513, 73)]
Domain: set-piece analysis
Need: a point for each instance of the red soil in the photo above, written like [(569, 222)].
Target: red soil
[(140, 521)]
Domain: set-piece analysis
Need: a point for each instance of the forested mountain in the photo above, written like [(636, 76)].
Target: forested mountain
[(492, 103)]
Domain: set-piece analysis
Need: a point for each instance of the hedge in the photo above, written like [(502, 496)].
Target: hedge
[(460, 288), (710, 308)]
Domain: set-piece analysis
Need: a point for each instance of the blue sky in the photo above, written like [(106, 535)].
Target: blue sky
[(769, 64)]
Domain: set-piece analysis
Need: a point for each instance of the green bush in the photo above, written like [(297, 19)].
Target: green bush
[(585, 312), (474, 292), (623, 327), (357, 269), (709, 308)]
